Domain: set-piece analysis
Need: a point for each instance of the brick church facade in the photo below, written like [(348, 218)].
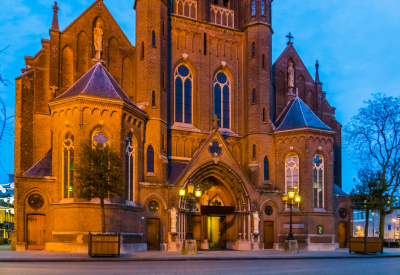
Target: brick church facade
[(196, 101)]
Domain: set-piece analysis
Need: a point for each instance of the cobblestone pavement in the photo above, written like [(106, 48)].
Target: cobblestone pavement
[(248, 267), (40, 255)]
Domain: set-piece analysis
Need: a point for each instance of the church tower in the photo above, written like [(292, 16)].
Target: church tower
[(151, 82), (257, 82)]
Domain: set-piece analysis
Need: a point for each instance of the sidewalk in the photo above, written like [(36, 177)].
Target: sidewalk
[(6, 255)]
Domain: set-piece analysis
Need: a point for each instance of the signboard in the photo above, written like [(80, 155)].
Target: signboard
[(389, 227)]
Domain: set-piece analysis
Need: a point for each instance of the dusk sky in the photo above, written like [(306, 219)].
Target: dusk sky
[(355, 41)]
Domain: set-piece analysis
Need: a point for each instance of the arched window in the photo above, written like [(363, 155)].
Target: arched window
[(150, 159), (318, 179), (153, 38), (142, 51), (68, 166), (183, 94), (266, 169), (254, 96), (262, 7), (292, 173), (222, 99), (264, 115), (254, 151), (130, 168), (253, 49), (253, 8), (153, 99), (263, 61)]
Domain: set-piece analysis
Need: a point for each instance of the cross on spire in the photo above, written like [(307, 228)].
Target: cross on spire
[(290, 38), (55, 8), (99, 6), (215, 120)]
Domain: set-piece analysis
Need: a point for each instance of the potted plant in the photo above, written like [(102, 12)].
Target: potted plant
[(99, 175)]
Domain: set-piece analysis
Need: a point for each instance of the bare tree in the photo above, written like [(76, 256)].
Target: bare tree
[(6, 129), (373, 140)]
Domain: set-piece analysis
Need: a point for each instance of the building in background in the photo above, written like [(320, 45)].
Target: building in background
[(6, 210), (196, 100)]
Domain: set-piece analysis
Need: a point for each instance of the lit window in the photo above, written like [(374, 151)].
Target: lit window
[(130, 167), (68, 166), (318, 179), (222, 99), (292, 173), (183, 94)]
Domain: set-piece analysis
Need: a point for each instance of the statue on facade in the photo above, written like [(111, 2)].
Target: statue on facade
[(256, 223), (98, 40), (291, 75), (173, 220), (206, 199)]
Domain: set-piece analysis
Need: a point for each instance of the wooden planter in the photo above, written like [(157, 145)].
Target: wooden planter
[(104, 245), (374, 245)]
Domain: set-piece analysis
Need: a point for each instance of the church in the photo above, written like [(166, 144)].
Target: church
[(195, 103)]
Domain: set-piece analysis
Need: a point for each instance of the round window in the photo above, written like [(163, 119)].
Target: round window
[(35, 201), (343, 213), (153, 206), (269, 210)]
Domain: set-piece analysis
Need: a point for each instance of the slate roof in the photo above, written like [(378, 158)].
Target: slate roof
[(42, 168), (297, 115), (337, 191), (98, 82)]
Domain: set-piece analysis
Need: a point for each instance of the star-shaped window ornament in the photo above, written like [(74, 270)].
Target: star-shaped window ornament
[(215, 148)]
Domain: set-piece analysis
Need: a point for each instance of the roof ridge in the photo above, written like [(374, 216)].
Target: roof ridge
[(301, 109), (95, 68), (108, 78), (286, 113)]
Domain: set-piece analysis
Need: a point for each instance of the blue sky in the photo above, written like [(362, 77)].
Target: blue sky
[(355, 41)]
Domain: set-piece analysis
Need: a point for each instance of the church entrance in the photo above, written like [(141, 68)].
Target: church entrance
[(217, 232), (36, 231), (342, 234), (269, 235), (153, 234)]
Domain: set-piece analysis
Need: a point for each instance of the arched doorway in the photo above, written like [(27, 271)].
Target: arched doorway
[(222, 219)]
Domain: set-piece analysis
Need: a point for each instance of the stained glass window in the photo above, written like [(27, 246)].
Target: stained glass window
[(183, 94), (318, 180), (292, 173), (68, 166), (222, 99)]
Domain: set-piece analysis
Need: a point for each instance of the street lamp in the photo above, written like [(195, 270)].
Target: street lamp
[(292, 195), (394, 229), (191, 199), (373, 224)]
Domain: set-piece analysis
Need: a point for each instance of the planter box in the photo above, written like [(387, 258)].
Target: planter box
[(104, 245), (374, 245)]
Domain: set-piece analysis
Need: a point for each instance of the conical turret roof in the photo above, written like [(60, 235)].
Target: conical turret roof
[(97, 82), (298, 115)]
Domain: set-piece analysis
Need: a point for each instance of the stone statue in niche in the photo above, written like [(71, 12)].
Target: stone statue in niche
[(291, 75), (206, 199), (98, 40), (173, 220), (256, 223)]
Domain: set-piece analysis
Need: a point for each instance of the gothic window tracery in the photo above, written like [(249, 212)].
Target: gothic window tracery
[(222, 89), (292, 173), (100, 137), (130, 167), (183, 94), (262, 7), (318, 180), (68, 166)]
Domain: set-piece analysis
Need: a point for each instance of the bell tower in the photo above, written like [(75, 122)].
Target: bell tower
[(151, 81)]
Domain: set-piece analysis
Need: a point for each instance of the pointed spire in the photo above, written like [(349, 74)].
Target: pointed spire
[(316, 72), (54, 25)]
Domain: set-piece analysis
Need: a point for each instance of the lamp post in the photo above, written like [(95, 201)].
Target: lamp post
[(291, 195), (191, 200), (394, 229)]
